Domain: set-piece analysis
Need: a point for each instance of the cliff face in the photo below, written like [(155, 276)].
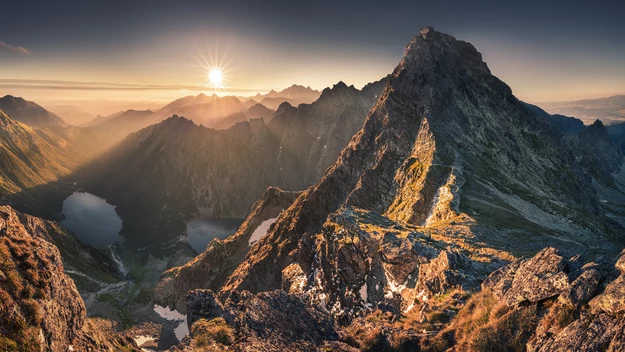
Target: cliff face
[(41, 309)]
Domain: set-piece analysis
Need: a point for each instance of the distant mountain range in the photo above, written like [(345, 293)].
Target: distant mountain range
[(609, 110), (208, 110)]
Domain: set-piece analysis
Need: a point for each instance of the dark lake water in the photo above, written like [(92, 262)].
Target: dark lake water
[(91, 218), (202, 230)]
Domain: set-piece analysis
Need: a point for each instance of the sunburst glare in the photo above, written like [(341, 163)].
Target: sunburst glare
[(214, 64), (216, 77)]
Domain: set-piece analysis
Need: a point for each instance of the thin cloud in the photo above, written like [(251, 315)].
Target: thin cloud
[(20, 50), (110, 86)]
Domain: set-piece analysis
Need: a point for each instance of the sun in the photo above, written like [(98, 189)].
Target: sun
[(216, 77)]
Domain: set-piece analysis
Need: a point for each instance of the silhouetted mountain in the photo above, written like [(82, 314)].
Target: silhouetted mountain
[(118, 126), (28, 112), (259, 110), (294, 95)]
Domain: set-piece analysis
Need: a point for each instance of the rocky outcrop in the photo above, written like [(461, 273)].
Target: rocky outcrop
[(211, 268), (543, 276), (269, 321), (539, 304), (612, 300), (40, 307)]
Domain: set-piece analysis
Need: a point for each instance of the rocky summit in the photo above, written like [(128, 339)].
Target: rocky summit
[(412, 238)]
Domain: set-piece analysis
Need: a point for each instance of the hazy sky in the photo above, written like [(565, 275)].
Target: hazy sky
[(545, 50)]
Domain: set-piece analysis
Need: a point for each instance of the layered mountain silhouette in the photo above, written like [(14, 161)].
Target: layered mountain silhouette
[(29, 113), (450, 177), (208, 110), (167, 173)]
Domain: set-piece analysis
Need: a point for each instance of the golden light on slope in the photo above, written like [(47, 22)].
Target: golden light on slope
[(216, 77)]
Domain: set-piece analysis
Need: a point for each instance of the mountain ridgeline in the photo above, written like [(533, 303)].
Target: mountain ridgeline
[(168, 173), (450, 178), (29, 113)]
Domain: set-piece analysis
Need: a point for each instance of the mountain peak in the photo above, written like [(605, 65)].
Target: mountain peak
[(426, 31), (29, 112)]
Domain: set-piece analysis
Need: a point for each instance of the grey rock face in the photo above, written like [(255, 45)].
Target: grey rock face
[(269, 321), (535, 279), (612, 300), (450, 269), (582, 289)]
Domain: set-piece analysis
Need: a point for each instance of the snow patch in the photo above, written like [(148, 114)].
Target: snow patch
[(182, 329), (261, 230), (140, 340), (363, 292), (393, 286), (422, 296), (409, 308)]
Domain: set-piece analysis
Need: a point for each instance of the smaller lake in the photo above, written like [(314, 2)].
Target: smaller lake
[(203, 230), (92, 219)]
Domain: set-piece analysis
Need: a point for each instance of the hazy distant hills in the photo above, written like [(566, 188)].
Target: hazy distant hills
[(29, 113), (167, 173), (208, 110), (609, 110)]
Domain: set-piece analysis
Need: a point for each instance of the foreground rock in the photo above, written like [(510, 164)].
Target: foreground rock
[(40, 307), (269, 321), (538, 304)]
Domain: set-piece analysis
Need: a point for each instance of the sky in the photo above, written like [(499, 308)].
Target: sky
[(160, 50)]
